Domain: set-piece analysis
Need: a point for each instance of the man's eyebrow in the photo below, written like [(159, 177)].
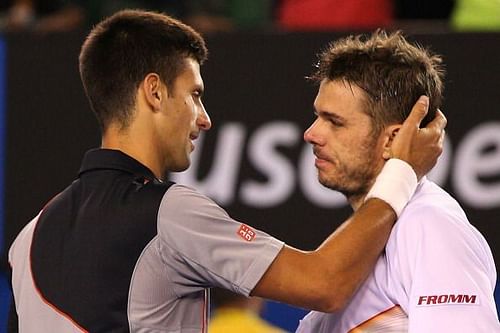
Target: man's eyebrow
[(328, 114)]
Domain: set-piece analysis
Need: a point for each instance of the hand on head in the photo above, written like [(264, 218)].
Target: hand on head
[(420, 147)]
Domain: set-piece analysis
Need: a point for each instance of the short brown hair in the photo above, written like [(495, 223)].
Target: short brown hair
[(122, 49), (392, 72)]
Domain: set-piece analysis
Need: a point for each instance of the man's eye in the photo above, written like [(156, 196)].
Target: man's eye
[(335, 122)]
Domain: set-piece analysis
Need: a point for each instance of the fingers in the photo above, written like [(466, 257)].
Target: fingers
[(418, 113), (438, 125), (420, 147), (436, 129), (439, 122), (412, 122)]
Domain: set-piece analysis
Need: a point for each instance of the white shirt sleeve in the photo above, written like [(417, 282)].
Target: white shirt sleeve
[(448, 273), (315, 322), (204, 247)]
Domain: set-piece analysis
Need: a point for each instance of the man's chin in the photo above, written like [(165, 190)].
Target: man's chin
[(328, 183), (347, 188), (331, 185), (180, 166)]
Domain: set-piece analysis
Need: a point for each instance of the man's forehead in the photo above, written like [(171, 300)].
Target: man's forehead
[(340, 89), (341, 84), (191, 71), (340, 97)]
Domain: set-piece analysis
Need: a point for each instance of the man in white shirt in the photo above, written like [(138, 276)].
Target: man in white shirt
[(437, 272)]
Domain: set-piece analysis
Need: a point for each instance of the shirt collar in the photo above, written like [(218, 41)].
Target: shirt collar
[(109, 159)]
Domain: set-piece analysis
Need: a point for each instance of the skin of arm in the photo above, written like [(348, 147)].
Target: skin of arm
[(325, 279)]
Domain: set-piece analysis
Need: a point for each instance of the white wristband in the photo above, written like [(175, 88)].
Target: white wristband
[(395, 184)]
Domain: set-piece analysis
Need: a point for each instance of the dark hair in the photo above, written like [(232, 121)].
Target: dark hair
[(122, 49), (392, 72)]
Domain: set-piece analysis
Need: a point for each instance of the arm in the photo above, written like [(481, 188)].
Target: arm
[(325, 279)]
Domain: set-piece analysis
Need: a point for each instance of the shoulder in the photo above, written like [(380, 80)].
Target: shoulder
[(432, 208), (186, 200), (433, 219), (178, 191), (26, 232), (184, 211), (22, 242), (433, 223)]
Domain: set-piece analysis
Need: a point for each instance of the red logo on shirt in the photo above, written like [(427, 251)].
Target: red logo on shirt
[(447, 299), (246, 233)]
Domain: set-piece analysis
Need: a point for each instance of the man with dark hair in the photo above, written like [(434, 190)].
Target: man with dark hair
[(119, 53), (122, 250), (437, 272)]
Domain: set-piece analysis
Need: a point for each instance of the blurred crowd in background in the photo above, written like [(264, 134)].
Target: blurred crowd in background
[(237, 313), (211, 16)]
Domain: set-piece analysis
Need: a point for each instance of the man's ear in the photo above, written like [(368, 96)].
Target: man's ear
[(152, 89), (389, 135)]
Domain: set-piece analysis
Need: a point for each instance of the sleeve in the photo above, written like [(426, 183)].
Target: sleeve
[(305, 325), (448, 273), (315, 322), (207, 248)]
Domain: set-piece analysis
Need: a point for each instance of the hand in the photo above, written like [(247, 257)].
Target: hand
[(420, 147)]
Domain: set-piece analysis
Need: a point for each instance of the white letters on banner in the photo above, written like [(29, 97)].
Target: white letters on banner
[(278, 170), (474, 168), (477, 159)]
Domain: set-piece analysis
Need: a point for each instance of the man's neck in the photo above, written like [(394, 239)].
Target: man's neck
[(356, 200), (127, 143)]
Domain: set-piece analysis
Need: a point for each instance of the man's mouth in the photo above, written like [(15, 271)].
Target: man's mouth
[(193, 137), (319, 155)]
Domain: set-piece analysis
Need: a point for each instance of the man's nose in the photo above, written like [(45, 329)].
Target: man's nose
[(310, 134), (204, 121)]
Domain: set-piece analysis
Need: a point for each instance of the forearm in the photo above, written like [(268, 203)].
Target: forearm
[(347, 257), (325, 279)]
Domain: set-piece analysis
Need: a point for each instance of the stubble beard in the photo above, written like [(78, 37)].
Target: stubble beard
[(353, 182)]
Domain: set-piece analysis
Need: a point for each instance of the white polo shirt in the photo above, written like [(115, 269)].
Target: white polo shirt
[(437, 275)]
